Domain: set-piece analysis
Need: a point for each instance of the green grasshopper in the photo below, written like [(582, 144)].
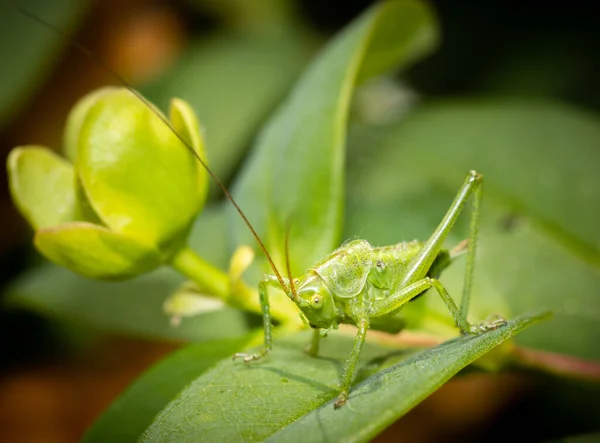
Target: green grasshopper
[(357, 284), (366, 286)]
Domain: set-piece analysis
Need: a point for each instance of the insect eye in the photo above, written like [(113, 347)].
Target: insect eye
[(317, 301)]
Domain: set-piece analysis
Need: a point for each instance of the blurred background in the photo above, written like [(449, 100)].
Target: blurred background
[(235, 60)]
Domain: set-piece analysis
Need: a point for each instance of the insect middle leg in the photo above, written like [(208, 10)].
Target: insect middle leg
[(313, 347), (348, 375), (391, 303)]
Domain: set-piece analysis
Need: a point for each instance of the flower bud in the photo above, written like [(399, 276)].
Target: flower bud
[(126, 203)]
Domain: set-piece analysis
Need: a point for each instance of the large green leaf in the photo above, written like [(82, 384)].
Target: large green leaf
[(24, 69), (296, 172), (289, 396), (126, 419), (539, 240)]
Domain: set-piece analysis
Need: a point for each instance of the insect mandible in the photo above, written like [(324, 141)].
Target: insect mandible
[(358, 284)]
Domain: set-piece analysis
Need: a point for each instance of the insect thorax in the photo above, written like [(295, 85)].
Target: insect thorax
[(357, 274), (349, 268)]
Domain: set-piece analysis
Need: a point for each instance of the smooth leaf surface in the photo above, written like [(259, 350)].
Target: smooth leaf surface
[(296, 172), (289, 395), (128, 416), (538, 235)]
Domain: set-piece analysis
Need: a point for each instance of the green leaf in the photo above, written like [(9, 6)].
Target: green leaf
[(129, 415), (132, 308), (533, 140), (96, 252), (289, 396), (538, 235), (296, 173), (24, 69), (42, 185)]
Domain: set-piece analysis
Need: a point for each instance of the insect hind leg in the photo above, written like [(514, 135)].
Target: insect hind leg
[(419, 265), (404, 295)]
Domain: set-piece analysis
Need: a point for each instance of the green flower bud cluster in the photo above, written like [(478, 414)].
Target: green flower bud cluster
[(123, 199)]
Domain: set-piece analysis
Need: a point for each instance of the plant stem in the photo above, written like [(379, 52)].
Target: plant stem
[(560, 364), (208, 278), (216, 283)]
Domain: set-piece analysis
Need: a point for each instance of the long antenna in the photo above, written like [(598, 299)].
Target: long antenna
[(288, 264), (87, 52)]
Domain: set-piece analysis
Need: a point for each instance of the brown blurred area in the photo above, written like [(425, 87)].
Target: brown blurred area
[(56, 401)]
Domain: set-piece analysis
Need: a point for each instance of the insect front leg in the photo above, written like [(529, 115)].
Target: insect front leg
[(313, 347), (348, 375), (269, 280)]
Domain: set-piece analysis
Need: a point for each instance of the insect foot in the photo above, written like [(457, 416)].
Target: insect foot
[(249, 357), (493, 322), (341, 400)]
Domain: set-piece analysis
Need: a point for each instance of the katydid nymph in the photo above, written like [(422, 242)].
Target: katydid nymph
[(357, 284), (366, 286)]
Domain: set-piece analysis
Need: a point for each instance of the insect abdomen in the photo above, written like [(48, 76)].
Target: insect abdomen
[(389, 263)]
